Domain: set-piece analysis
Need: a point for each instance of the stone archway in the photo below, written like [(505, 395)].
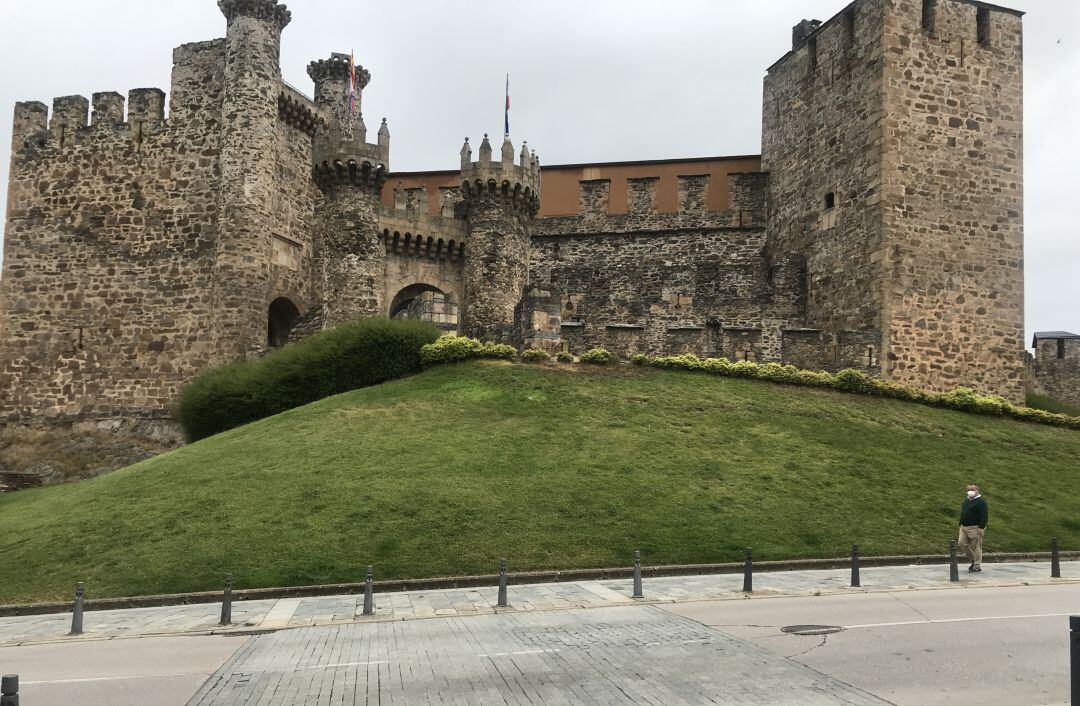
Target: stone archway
[(282, 315), (426, 302)]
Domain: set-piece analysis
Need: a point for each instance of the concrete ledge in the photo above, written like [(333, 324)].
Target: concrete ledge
[(492, 580)]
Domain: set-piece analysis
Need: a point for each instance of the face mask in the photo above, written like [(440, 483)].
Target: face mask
[(971, 493)]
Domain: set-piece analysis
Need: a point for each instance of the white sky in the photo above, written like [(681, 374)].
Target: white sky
[(591, 81)]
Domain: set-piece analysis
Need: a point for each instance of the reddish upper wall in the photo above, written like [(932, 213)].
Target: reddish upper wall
[(560, 189)]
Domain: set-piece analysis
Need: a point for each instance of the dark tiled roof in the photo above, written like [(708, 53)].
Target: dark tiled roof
[(1045, 335)]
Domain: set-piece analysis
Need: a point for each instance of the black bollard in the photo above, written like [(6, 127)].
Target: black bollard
[(1055, 560), (855, 566), (954, 570), (748, 572), (1074, 656), (502, 584), (637, 575), (226, 602), (369, 591), (77, 610), (9, 690)]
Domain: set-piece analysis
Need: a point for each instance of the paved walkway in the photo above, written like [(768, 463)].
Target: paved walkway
[(336, 610), (616, 655)]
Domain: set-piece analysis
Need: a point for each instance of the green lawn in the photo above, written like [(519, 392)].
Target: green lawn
[(445, 472)]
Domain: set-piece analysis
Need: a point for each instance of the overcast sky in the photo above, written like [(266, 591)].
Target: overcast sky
[(591, 81)]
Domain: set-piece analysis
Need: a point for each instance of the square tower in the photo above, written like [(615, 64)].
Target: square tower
[(894, 137)]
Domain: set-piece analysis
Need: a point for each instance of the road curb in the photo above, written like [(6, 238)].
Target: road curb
[(491, 580)]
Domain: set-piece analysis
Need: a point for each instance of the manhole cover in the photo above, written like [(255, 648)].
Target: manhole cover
[(811, 629)]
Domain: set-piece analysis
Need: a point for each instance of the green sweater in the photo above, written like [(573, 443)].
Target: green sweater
[(974, 512)]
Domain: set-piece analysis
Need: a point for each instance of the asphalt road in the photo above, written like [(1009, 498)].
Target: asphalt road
[(980, 645), (1001, 645), (164, 671)]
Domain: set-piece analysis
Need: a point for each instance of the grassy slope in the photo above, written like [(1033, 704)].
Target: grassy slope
[(444, 472), (1051, 405)]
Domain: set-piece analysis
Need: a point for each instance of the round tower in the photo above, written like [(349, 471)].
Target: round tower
[(250, 113), (501, 199), (351, 173)]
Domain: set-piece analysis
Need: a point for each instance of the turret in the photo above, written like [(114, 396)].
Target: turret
[(501, 198), (252, 89), (351, 173)]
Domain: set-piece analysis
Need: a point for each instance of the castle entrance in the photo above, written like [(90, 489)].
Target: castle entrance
[(426, 302), (283, 314)]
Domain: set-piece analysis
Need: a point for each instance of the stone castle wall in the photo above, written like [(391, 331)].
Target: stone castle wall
[(1056, 370), (895, 153), (884, 231), (106, 296), (953, 198)]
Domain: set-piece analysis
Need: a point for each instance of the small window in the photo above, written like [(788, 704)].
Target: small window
[(1061, 348), (982, 24), (830, 200), (849, 23), (811, 47), (929, 8)]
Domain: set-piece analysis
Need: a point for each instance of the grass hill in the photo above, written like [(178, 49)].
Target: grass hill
[(444, 472)]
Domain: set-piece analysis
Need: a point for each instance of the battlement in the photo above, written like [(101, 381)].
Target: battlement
[(517, 183), (71, 120), (337, 68), (295, 109), (259, 9)]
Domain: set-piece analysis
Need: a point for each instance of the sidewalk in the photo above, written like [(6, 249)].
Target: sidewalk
[(270, 615)]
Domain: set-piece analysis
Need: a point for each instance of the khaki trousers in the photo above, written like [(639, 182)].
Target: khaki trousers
[(971, 543)]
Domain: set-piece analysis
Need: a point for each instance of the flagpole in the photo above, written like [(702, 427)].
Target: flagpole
[(506, 116)]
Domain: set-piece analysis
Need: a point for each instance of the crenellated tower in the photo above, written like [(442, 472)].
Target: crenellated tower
[(351, 173), (252, 87), (501, 199)]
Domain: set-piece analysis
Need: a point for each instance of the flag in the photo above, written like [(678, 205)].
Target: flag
[(507, 115), (352, 83)]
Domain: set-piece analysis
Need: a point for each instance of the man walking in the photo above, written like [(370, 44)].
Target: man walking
[(973, 516)]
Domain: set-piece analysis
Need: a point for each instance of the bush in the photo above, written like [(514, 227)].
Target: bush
[(564, 357), (452, 349), (598, 356), (354, 355), (641, 359), (535, 355)]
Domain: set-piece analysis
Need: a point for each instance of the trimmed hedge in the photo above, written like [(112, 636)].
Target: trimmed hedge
[(353, 355), (451, 349), (564, 357), (535, 355), (850, 381), (599, 356)]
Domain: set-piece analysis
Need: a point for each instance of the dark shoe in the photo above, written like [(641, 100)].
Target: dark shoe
[(975, 570), (971, 566)]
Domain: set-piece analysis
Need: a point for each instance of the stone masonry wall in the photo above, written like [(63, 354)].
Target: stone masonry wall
[(1058, 377), (249, 170), (953, 198), (821, 134), (105, 300)]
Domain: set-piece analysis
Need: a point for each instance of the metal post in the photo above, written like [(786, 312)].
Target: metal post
[(77, 610), (855, 566), (369, 591), (9, 690), (226, 602), (954, 570), (502, 584), (637, 575), (1074, 656), (748, 572), (1055, 560)]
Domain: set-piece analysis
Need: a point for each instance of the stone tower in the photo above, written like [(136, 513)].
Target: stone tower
[(893, 137), (351, 173), (252, 85), (501, 198)]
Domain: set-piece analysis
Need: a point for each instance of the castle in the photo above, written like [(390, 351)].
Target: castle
[(881, 228)]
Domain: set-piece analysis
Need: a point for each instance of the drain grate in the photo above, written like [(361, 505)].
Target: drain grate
[(811, 629)]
